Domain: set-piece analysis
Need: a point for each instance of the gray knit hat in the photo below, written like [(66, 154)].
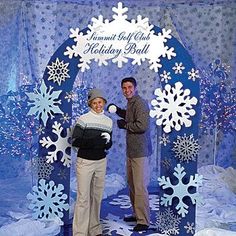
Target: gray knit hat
[(95, 93)]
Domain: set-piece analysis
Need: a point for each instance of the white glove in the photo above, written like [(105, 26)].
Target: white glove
[(106, 136)]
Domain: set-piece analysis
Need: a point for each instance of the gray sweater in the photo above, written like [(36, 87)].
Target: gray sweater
[(137, 125)]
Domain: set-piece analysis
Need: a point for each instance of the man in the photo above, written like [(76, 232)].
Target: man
[(138, 147)]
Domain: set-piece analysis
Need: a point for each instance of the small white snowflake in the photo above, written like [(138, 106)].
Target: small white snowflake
[(164, 139), (190, 228), (58, 71), (65, 118), (186, 148), (193, 74), (180, 190), (40, 130), (173, 107), (62, 143), (70, 96), (167, 222), (165, 76), (178, 68)]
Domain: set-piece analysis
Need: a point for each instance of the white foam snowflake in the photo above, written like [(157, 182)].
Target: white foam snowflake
[(61, 144), (58, 71), (115, 224), (186, 148), (173, 107), (48, 200), (45, 103), (164, 139), (193, 74), (122, 200), (180, 190), (178, 68), (165, 76), (65, 118), (119, 40), (167, 222), (190, 228)]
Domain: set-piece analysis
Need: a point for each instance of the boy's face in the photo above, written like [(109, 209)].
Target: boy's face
[(128, 89)]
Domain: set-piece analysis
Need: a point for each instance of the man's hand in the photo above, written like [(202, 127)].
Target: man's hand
[(106, 136), (121, 123)]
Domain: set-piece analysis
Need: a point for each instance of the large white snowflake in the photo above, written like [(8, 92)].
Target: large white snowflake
[(186, 148), (173, 107), (120, 40), (45, 103), (180, 190), (48, 200), (167, 222), (58, 71), (61, 144)]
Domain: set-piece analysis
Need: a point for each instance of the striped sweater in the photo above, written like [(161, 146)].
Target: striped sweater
[(92, 134)]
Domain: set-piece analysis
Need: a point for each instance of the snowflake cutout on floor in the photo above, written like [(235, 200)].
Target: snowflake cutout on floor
[(189, 228), (193, 74), (122, 200), (186, 148), (115, 224), (173, 107), (58, 71), (164, 139), (119, 40), (178, 68), (62, 143), (154, 202), (180, 190), (45, 103), (167, 222), (47, 200), (165, 77)]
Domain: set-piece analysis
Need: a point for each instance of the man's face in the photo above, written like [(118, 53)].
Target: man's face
[(128, 89)]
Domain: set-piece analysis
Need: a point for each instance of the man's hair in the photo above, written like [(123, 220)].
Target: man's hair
[(129, 79)]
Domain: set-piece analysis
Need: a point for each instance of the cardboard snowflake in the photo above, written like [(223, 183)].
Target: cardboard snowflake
[(45, 103), (119, 40), (61, 144), (180, 190), (48, 200), (186, 148), (173, 107)]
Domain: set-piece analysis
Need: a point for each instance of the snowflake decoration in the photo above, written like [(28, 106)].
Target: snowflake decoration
[(70, 96), (180, 190), (193, 74), (58, 71), (44, 169), (65, 118), (166, 163), (61, 145), (45, 103), (190, 228), (47, 200), (115, 224), (122, 200), (178, 68), (167, 222), (40, 130), (186, 148), (164, 139), (118, 40), (173, 107), (154, 202), (165, 76)]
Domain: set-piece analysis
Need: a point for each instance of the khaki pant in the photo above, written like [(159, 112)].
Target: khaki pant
[(138, 179), (90, 181)]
